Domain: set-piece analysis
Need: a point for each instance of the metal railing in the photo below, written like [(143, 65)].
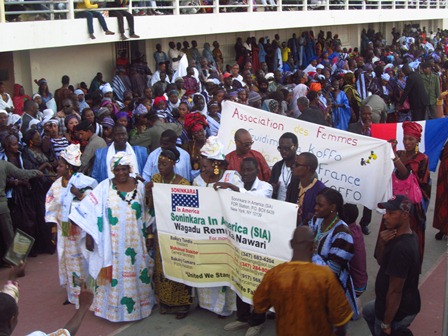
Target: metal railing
[(30, 10)]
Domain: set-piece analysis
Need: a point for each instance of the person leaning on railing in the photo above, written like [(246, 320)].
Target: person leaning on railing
[(89, 15)]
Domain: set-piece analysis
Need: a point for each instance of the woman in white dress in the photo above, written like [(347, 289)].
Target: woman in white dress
[(220, 300)]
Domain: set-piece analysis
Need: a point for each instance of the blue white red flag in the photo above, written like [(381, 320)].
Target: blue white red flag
[(434, 136)]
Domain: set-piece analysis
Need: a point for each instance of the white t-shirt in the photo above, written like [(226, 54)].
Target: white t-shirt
[(284, 180)]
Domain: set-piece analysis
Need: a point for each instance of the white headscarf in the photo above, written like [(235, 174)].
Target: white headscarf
[(213, 149), (122, 159), (72, 154)]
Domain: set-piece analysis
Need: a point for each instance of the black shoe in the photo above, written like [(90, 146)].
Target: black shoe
[(365, 229), (439, 235)]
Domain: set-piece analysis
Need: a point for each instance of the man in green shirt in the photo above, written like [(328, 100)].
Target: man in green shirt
[(9, 170), (431, 83)]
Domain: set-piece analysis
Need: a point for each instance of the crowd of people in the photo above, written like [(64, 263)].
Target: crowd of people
[(79, 163)]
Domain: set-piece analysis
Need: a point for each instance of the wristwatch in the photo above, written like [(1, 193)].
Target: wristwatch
[(384, 325)]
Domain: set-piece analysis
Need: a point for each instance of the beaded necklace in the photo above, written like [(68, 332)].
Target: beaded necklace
[(320, 234), (171, 181), (124, 195)]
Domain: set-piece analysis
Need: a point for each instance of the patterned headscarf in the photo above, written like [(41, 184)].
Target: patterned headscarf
[(213, 149), (121, 159), (140, 110), (72, 154), (194, 122)]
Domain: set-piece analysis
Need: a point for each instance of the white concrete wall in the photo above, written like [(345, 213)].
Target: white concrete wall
[(80, 63), (47, 34)]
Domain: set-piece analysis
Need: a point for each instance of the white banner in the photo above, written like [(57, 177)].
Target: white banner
[(359, 167), (211, 238)]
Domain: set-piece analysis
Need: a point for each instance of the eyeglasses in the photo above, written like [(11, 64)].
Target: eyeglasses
[(295, 164), (246, 144), (285, 148)]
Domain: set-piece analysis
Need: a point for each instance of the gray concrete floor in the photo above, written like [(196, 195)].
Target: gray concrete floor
[(204, 323)]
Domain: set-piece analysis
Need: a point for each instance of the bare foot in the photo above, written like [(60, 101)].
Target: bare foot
[(108, 32), (134, 36), (92, 36)]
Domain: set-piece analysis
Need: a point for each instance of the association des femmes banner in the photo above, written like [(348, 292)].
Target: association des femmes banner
[(359, 167), (214, 238)]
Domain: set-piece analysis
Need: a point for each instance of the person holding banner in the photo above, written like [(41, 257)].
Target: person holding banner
[(282, 170), (243, 143), (174, 297), (333, 242), (220, 300), (246, 316), (118, 229), (304, 186), (411, 161)]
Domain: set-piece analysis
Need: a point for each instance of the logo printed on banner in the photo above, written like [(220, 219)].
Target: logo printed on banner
[(184, 198)]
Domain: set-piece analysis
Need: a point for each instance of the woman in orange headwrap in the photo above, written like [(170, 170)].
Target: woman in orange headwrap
[(195, 124), (411, 160)]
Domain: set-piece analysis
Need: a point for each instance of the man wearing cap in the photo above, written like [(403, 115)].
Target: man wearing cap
[(397, 299), (120, 143), (254, 99), (228, 80), (86, 134), (243, 142)]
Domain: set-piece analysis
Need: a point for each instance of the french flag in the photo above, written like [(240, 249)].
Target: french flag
[(434, 136)]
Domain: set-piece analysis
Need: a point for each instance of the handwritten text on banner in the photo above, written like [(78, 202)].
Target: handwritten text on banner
[(359, 167)]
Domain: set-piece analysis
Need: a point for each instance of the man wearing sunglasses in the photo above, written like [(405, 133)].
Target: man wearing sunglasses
[(304, 186), (243, 142)]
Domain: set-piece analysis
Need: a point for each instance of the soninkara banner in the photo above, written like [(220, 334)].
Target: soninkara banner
[(212, 238), (360, 167)]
